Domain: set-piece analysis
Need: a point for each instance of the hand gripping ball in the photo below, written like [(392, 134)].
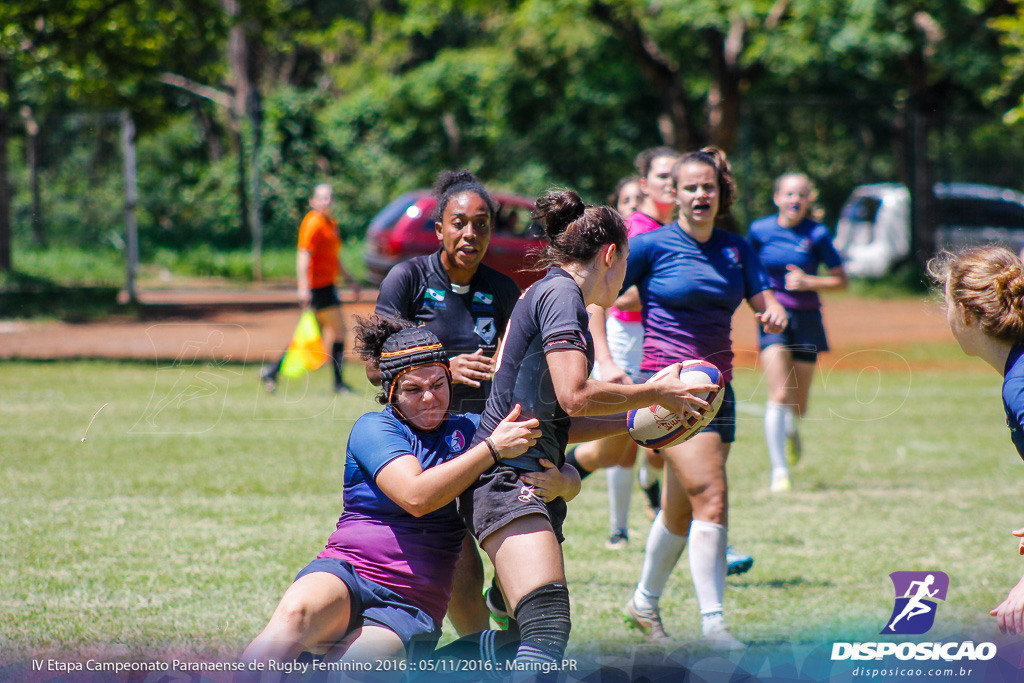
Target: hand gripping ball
[(658, 427)]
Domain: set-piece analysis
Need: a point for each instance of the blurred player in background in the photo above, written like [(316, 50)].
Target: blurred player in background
[(793, 247)]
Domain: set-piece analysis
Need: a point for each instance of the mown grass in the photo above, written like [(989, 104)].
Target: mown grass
[(176, 526)]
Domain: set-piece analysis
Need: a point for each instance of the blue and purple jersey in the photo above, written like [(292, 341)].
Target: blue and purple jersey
[(807, 246), (413, 556), (1013, 396), (689, 291)]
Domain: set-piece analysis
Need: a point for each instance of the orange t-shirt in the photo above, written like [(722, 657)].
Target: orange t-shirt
[(319, 236)]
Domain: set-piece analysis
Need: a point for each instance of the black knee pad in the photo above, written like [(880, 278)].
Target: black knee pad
[(544, 624)]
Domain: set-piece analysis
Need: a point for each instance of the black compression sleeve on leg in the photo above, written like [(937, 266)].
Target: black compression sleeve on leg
[(570, 459), (544, 624)]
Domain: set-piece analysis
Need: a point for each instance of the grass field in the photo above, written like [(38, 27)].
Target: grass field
[(177, 524)]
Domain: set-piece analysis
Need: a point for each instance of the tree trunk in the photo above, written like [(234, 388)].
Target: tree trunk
[(131, 228), (674, 122), (32, 156), (5, 191), (240, 83), (724, 97), (247, 106)]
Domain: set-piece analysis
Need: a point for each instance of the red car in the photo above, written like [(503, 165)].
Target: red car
[(405, 228)]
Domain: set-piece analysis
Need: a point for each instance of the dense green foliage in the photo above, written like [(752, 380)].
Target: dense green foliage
[(377, 97)]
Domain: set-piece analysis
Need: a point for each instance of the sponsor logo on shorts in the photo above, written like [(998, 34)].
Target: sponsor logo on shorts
[(526, 493)]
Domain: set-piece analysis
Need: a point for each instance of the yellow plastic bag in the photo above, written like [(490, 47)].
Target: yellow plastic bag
[(306, 352)]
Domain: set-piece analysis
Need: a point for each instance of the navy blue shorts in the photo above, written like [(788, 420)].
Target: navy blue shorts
[(498, 497), (324, 297), (804, 337), (724, 423), (372, 602)]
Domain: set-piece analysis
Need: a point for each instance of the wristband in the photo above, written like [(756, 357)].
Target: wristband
[(493, 449)]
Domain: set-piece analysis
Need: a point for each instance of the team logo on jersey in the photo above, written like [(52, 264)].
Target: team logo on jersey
[(483, 298), (804, 245), (433, 298), (456, 442), (917, 596), (732, 254), (486, 329)]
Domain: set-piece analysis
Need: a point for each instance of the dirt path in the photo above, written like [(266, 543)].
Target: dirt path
[(184, 327)]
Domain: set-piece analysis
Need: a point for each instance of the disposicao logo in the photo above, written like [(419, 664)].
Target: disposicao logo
[(917, 599)]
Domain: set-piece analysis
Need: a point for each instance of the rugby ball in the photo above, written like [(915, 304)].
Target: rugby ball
[(658, 427)]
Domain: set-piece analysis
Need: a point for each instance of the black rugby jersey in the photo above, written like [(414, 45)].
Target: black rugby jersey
[(420, 290), (550, 316)]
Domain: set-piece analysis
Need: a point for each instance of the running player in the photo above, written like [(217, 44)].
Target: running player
[(618, 347), (691, 277), (466, 305), (382, 583), (984, 292), (543, 365), (793, 247)]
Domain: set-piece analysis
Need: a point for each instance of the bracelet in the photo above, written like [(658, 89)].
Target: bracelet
[(493, 449)]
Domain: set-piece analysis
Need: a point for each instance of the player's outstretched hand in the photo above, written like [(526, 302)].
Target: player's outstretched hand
[(1010, 612), (512, 438), (553, 483), (774, 318), (471, 368), (681, 396)]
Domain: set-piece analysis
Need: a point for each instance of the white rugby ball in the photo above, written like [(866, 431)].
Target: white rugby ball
[(658, 427)]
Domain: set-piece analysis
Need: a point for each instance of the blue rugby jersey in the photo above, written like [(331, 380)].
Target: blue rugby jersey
[(807, 245)]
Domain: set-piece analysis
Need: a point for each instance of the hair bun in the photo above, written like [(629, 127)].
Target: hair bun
[(449, 179), (559, 208)]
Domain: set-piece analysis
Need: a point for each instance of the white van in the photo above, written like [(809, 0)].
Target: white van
[(873, 233)]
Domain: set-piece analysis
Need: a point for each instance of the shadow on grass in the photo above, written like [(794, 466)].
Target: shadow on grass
[(30, 296)]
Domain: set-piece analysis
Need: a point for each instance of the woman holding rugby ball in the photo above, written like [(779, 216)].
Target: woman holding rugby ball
[(792, 248), (691, 277), (382, 583), (544, 365), (984, 293), (618, 345)]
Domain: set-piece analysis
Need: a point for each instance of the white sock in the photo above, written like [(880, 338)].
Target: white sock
[(620, 488), (707, 564), (646, 475), (791, 421), (775, 433), (660, 557)]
